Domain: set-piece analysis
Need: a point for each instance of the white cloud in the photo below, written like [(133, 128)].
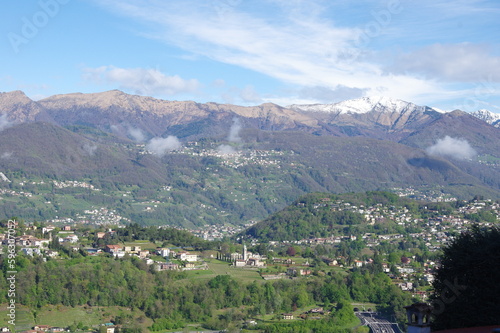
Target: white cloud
[(136, 133), (249, 95), (5, 122), (226, 150), (318, 43), (459, 149), (329, 95), (161, 146), (464, 62), (125, 129), (90, 149), (141, 81), (307, 50), (234, 131)]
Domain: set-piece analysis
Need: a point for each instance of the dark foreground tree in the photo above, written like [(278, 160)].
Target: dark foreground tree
[(467, 283)]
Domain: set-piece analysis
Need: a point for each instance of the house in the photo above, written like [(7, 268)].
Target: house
[(287, 316), (331, 262), (51, 253), (70, 238), (186, 256), (112, 248), (115, 250), (164, 252), (66, 228), (47, 229), (29, 251), (166, 267), (100, 235), (44, 328), (57, 329), (240, 263), (255, 262), (294, 271)]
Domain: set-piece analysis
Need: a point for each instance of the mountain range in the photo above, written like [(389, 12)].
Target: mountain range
[(356, 145)]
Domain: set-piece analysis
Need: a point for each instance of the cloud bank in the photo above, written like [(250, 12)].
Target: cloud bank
[(456, 148), (161, 146), (141, 81), (5, 122)]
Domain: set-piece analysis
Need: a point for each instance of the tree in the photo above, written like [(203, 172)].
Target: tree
[(467, 291), (291, 251)]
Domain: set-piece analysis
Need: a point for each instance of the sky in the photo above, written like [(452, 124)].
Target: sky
[(443, 54)]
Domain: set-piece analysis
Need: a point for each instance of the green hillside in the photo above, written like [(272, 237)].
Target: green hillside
[(198, 185)]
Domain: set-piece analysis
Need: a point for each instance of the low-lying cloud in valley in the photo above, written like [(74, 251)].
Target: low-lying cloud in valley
[(129, 131), (459, 149), (89, 148), (234, 131), (5, 122), (226, 150), (161, 146)]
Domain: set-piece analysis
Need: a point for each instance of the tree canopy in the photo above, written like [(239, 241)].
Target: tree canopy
[(467, 291)]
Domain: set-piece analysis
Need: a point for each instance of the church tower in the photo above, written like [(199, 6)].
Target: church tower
[(419, 318), (245, 252)]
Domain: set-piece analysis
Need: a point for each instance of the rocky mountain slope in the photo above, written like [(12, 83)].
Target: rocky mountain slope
[(245, 161), (488, 116)]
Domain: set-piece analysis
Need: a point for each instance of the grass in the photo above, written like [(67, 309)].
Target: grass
[(241, 274), (23, 320), (64, 316), (217, 267), (144, 244)]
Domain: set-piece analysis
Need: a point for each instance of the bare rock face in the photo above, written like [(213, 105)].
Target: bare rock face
[(124, 114), (19, 108), (114, 108)]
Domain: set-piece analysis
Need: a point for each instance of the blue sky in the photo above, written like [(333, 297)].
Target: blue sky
[(444, 54)]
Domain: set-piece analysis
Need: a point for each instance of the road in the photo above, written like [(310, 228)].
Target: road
[(377, 323)]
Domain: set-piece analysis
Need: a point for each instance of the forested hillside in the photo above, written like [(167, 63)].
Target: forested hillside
[(326, 215), (172, 300)]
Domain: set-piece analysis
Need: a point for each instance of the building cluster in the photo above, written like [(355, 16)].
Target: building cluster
[(430, 195), (248, 259), (232, 157), (73, 183)]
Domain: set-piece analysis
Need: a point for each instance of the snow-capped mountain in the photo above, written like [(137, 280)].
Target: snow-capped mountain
[(365, 105), (488, 116)]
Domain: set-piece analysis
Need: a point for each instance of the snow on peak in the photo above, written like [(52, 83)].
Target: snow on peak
[(488, 116), (364, 105)]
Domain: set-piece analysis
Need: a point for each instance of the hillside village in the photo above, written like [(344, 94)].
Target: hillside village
[(43, 239)]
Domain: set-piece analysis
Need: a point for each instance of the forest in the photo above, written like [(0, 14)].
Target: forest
[(171, 299)]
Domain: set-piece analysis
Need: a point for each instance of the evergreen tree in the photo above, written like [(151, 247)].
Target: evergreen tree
[(467, 291)]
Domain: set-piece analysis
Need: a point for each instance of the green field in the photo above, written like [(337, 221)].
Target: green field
[(217, 267), (63, 316)]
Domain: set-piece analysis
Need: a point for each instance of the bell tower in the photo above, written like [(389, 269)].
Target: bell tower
[(419, 315)]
